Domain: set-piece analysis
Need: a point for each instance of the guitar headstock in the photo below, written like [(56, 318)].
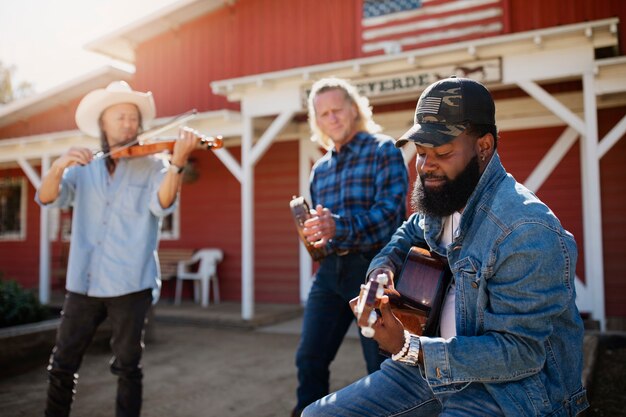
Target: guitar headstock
[(369, 299)]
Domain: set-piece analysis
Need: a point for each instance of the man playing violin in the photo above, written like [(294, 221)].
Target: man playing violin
[(510, 338), (113, 266)]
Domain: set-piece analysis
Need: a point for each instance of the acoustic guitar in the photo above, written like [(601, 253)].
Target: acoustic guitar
[(418, 297)]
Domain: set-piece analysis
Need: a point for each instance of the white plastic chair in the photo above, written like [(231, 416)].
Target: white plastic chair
[(207, 260)]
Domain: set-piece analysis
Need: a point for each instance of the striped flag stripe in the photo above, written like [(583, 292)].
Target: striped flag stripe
[(428, 8), (432, 23), (435, 22)]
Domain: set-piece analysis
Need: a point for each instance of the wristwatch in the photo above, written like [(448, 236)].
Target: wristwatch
[(176, 169), (412, 355)]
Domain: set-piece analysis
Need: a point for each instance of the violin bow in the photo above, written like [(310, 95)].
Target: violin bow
[(177, 120)]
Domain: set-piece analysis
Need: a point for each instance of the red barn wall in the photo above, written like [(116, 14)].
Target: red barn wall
[(210, 217), (16, 256), (250, 37), (613, 188), (56, 119), (538, 14)]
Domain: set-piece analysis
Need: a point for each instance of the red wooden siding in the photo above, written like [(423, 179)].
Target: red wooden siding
[(211, 217), (54, 120), (277, 274), (17, 260), (538, 14), (257, 36), (613, 186), (521, 151), (247, 38)]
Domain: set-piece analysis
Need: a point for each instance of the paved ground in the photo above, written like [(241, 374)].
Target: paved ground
[(219, 367), (210, 362)]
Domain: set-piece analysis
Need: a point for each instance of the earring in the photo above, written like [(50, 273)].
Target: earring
[(482, 158)]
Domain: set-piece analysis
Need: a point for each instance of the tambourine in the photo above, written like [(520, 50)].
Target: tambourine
[(301, 212)]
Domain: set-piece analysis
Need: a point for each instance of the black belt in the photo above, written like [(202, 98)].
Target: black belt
[(368, 254)]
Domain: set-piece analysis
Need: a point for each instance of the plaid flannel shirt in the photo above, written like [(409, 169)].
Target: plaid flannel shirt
[(365, 187)]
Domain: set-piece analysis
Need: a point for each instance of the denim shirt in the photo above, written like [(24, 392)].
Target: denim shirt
[(115, 226), (519, 331)]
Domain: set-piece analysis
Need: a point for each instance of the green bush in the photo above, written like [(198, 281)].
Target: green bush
[(18, 306)]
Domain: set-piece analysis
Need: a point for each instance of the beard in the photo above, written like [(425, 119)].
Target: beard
[(450, 197)]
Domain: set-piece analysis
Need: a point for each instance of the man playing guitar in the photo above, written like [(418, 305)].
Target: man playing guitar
[(509, 342)]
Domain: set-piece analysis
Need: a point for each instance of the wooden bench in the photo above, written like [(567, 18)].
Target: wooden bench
[(168, 260)]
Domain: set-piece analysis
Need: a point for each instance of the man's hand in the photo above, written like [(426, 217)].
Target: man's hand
[(187, 142), (74, 156), (375, 272), (49, 189), (320, 227), (388, 329)]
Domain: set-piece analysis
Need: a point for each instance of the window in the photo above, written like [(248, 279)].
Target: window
[(12, 208), (170, 226), (65, 217)]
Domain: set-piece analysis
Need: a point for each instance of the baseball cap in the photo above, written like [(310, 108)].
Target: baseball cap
[(444, 109)]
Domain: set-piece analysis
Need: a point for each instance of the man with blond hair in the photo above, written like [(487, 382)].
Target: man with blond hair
[(358, 189)]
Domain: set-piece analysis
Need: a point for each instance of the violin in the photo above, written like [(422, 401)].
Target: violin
[(145, 144), (161, 145)]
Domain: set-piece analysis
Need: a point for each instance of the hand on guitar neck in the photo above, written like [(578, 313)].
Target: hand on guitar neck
[(415, 298), (373, 311), (368, 301)]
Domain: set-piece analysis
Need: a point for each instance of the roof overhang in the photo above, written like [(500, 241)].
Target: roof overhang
[(68, 91), (226, 123), (121, 43), (599, 33)]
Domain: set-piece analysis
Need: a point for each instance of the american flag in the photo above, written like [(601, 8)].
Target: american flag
[(394, 25)]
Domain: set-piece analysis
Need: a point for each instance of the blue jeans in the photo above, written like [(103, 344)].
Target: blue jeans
[(400, 390), (327, 317), (81, 317)]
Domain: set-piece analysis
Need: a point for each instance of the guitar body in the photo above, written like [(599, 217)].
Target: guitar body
[(301, 212), (421, 287)]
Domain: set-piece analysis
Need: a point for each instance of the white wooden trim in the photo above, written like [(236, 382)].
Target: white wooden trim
[(541, 95), (230, 163), (247, 221), (268, 137), (306, 152), (34, 179), (44, 243), (551, 159), (408, 153), (612, 137), (592, 207)]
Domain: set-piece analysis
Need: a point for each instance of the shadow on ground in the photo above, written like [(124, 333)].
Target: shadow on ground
[(608, 387), (192, 371), (226, 369)]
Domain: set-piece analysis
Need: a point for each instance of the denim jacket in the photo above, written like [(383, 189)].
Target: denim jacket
[(519, 331)]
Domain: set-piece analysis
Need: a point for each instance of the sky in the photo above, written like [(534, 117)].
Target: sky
[(44, 39)]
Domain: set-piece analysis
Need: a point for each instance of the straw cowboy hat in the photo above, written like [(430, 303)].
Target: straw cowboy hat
[(94, 103)]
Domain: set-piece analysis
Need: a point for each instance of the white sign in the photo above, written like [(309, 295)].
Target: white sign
[(415, 81)]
